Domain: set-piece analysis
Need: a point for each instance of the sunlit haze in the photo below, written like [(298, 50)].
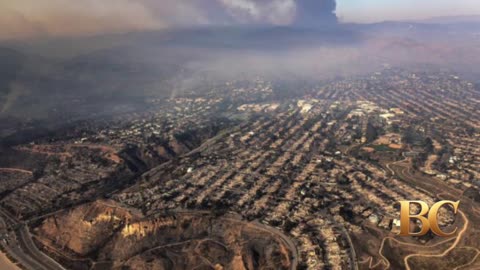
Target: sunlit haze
[(386, 10), (42, 18)]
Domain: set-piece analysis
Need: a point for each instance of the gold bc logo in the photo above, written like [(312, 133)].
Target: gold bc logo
[(427, 217)]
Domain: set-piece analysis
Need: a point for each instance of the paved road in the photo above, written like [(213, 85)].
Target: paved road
[(18, 243), (352, 253), (257, 226), (286, 240)]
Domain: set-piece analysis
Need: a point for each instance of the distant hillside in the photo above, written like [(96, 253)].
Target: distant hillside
[(453, 19)]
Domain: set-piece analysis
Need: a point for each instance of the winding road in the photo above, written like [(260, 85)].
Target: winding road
[(401, 169), (18, 243)]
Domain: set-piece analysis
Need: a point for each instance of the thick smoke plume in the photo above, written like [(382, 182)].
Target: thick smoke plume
[(43, 18)]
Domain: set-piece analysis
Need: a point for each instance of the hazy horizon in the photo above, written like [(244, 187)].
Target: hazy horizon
[(25, 19)]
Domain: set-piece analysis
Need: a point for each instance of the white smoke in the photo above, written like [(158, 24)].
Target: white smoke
[(277, 12)]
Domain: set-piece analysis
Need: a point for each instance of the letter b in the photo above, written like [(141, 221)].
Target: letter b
[(405, 218)]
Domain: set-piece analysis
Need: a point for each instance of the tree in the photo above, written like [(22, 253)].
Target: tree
[(372, 133), (428, 145)]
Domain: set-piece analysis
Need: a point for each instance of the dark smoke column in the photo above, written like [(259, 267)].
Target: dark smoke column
[(311, 13)]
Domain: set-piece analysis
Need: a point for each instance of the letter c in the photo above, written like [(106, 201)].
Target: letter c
[(432, 217)]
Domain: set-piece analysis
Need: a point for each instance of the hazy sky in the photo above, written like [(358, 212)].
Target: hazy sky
[(381, 10), (26, 18)]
